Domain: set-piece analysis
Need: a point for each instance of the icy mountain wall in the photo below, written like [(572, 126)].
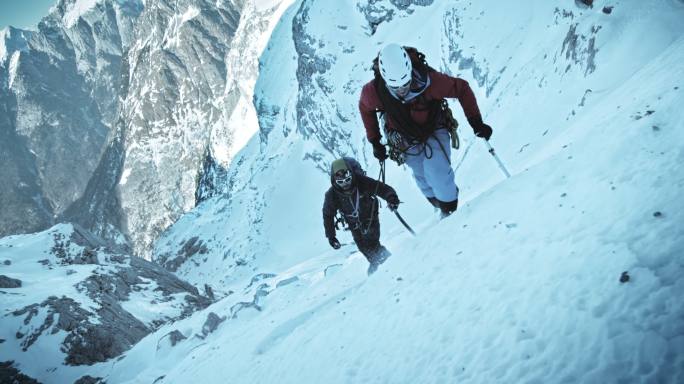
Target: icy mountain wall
[(188, 89), (58, 102), (167, 95)]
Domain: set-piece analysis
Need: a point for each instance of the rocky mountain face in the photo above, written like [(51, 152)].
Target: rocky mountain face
[(174, 97), (188, 83), (159, 102), (58, 89), (93, 301)]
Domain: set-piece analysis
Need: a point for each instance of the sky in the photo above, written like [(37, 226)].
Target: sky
[(23, 14)]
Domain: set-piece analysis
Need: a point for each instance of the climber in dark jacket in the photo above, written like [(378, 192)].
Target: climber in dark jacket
[(354, 195)]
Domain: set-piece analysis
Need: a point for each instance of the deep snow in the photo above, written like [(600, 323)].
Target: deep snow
[(522, 283)]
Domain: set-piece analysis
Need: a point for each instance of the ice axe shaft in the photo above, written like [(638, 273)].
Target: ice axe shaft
[(382, 176), (498, 161), (404, 222)]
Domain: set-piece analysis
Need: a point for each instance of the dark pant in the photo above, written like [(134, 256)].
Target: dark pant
[(369, 243)]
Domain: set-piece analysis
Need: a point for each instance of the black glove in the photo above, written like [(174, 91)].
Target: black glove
[(379, 150), (334, 242), (480, 129), (393, 202)]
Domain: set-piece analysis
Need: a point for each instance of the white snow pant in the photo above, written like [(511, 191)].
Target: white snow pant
[(431, 166)]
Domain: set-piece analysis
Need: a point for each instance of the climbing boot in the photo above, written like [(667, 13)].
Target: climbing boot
[(447, 208)]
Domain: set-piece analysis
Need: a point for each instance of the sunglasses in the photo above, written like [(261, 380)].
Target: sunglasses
[(343, 178)]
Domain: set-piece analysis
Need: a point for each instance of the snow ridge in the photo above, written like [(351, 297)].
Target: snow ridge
[(75, 9)]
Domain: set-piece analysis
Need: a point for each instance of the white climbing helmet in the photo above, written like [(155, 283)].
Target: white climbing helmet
[(395, 65)]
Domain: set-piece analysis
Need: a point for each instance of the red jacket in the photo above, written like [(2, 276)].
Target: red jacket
[(441, 86)]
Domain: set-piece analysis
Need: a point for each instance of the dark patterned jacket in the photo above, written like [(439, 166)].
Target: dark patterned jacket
[(358, 206)]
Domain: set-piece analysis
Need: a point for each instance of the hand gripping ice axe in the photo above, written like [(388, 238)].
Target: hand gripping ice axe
[(498, 161)]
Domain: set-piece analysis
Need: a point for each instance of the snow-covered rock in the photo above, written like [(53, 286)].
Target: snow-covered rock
[(81, 302)]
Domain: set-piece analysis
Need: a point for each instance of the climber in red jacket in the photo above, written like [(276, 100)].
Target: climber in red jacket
[(411, 96)]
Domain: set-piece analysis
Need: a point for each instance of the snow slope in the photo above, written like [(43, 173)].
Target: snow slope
[(522, 284)]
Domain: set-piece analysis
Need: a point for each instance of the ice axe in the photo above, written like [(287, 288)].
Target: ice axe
[(401, 219), (498, 161), (396, 212)]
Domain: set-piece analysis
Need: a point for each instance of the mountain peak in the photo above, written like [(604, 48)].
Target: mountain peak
[(69, 11), (11, 39)]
